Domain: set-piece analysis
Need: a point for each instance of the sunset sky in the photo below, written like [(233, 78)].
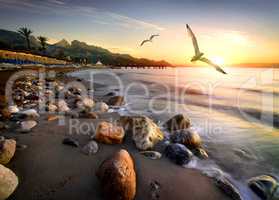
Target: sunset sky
[(239, 31)]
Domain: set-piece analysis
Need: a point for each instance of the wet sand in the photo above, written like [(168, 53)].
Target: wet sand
[(47, 169)]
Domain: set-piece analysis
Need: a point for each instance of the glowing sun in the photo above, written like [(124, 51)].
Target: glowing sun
[(217, 60)]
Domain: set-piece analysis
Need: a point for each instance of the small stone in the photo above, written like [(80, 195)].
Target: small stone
[(59, 88), (178, 153), (189, 137), (108, 133), (90, 148), (7, 151), (118, 177), (111, 94), (178, 122), (72, 114), (154, 155), (85, 103), (49, 93), (116, 101), (31, 114), (91, 115), (62, 106), (8, 182), (264, 186), (228, 188), (3, 125), (52, 117), (101, 107), (27, 126), (51, 108), (13, 109), (6, 114), (71, 142), (155, 190), (201, 153), (20, 147)]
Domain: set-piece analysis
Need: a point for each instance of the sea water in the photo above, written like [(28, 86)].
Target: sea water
[(236, 115)]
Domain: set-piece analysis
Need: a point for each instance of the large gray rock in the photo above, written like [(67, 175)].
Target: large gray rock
[(118, 177), (178, 122), (266, 187), (8, 182), (178, 153), (145, 133), (7, 150)]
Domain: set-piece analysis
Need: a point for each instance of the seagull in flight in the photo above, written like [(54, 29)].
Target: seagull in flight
[(200, 56), (149, 40)]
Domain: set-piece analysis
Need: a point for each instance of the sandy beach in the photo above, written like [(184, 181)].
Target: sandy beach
[(47, 169)]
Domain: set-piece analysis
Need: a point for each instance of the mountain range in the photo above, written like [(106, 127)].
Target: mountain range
[(75, 51)]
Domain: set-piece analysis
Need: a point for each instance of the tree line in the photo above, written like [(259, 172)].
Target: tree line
[(26, 33)]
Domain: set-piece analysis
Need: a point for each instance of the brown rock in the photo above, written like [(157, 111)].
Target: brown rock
[(6, 114), (178, 122), (89, 115), (116, 101), (52, 117), (118, 177), (8, 182), (109, 134), (189, 137), (7, 151)]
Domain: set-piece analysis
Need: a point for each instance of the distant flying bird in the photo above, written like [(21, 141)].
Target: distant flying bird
[(198, 55), (149, 40)]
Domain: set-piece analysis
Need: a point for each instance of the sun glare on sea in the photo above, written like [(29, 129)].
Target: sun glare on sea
[(217, 60)]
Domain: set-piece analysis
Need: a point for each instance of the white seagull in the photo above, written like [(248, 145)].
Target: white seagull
[(149, 40), (198, 55)]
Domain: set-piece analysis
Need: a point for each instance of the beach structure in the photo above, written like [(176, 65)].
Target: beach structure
[(19, 58), (99, 64)]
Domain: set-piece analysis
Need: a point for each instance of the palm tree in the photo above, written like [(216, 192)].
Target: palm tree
[(43, 41), (25, 32)]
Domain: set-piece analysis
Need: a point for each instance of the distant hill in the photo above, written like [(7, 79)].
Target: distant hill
[(13, 40), (63, 43), (76, 51)]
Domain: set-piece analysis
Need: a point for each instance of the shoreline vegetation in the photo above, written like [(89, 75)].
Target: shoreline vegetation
[(74, 52)]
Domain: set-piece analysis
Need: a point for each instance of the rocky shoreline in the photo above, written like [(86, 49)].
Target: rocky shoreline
[(118, 157)]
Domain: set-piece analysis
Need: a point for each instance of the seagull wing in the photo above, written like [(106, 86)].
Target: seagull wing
[(212, 64), (153, 36), (194, 40), (144, 41)]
